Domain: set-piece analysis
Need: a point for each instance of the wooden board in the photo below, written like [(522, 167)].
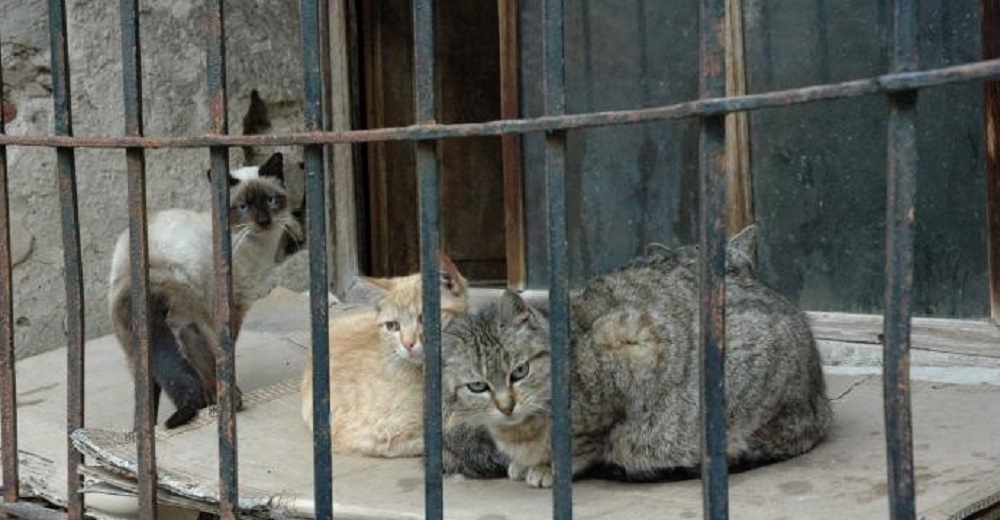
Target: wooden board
[(968, 337)]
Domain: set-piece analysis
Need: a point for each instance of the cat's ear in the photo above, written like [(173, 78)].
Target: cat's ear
[(273, 167), (514, 311), (743, 246), (451, 280), (232, 180), (368, 291)]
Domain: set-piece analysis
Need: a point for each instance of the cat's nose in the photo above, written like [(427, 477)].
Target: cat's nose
[(505, 404), (263, 219)]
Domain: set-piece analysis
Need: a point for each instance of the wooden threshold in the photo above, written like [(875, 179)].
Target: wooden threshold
[(952, 336)]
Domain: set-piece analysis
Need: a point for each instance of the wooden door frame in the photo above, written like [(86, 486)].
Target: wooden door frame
[(345, 250), (511, 158)]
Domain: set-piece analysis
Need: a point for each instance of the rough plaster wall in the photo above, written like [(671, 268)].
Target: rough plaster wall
[(262, 42)]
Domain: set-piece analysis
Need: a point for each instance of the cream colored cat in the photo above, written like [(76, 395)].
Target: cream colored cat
[(376, 367)]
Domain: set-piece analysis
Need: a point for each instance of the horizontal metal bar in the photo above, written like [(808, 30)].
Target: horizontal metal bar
[(703, 107)]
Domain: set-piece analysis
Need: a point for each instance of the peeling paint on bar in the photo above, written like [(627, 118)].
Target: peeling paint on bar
[(144, 418), (318, 282), (902, 176), (554, 92), (225, 362), (8, 380), (72, 260), (429, 193), (712, 265)]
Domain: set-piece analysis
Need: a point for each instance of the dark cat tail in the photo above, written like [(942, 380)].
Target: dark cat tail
[(171, 369), (470, 451), (619, 473)]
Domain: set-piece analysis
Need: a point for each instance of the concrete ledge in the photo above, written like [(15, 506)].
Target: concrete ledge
[(956, 451)]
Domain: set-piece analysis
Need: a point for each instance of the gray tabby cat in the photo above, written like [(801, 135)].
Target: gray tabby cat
[(635, 372)]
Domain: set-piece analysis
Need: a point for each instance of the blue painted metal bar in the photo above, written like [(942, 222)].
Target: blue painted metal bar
[(8, 379), (429, 186), (712, 265), (318, 281), (72, 260), (145, 421), (902, 173), (554, 98), (222, 254)]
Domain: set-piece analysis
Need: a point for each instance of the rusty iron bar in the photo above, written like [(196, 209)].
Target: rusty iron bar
[(8, 379), (554, 103), (900, 196), (318, 283), (222, 255), (989, 21), (712, 264), (135, 160), (703, 107), (72, 259), (429, 193)]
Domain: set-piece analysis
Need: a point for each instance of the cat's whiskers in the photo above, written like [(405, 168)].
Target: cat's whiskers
[(242, 232)]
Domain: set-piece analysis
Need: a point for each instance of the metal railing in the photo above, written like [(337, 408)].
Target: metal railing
[(900, 86)]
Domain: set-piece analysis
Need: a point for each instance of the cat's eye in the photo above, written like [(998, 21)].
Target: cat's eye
[(478, 387), (519, 372), (392, 326), (243, 208), (272, 201)]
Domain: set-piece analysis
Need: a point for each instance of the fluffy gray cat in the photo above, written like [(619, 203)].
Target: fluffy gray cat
[(635, 372)]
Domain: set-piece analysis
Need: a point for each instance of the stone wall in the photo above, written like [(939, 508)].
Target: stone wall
[(262, 42)]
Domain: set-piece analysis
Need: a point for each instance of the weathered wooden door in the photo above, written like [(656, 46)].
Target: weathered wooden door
[(468, 87)]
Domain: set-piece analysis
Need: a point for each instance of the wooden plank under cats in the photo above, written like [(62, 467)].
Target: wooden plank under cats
[(965, 337)]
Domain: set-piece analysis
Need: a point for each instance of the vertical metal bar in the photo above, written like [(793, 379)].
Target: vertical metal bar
[(554, 85), (902, 171), (72, 262), (712, 265), (318, 283), (139, 259), (428, 178), (8, 380), (225, 363), (989, 21)]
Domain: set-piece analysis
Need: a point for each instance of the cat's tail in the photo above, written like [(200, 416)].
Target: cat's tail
[(470, 451), (619, 473), (182, 360)]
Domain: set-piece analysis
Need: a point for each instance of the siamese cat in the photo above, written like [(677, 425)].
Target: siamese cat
[(264, 232)]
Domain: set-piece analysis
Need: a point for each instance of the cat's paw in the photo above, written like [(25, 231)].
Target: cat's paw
[(539, 476), (516, 471)]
